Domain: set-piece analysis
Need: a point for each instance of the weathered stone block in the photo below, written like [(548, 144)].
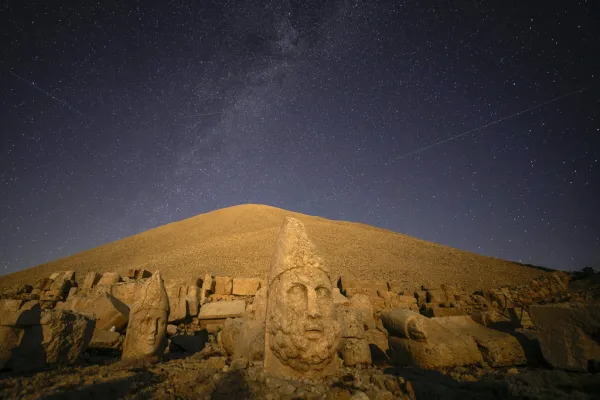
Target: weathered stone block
[(498, 349), (363, 304), (417, 340), (346, 283), (355, 351), (109, 278), (106, 340), (245, 286), (223, 285), (222, 310), (91, 280), (338, 298), (568, 334), (138, 273)]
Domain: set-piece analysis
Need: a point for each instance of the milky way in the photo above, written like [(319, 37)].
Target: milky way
[(472, 125)]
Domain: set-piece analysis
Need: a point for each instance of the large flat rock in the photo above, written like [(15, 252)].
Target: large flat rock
[(222, 310), (568, 334)]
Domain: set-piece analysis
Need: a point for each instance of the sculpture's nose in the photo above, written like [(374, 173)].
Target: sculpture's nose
[(313, 306)]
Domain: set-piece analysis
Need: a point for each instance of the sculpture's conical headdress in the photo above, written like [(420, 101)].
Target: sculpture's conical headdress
[(294, 250), (152, 294)]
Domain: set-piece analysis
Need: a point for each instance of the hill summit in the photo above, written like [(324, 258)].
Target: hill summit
[(240, 240)]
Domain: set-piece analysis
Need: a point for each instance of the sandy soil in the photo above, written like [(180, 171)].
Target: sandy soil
[(239, 241)]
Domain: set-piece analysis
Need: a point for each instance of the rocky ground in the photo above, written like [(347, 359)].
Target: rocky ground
[(211, 375)]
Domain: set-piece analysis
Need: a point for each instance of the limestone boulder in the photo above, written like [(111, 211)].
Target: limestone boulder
[(222, 310), (245, 286), (57, 337), (106, 340), (422, 342), (363, 304), (568, 334), (498, 349), (177, 291), (223, 285), (138, 273), (91, 280), (126, 292), (339, 298), (107, 310), (355, 351), (109, 278)]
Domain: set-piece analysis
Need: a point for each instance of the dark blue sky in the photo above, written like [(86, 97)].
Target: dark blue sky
[(120, 117)]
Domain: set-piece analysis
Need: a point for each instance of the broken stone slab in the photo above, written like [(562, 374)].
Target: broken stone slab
[(355, 351), (259, 306), (63, 276), (242, 338), (245, 286), (107, 310), (146, 335), (222, 310), (419, 341), (109, 278), (339, 298), (223, 285), (91, 280), (362, 303), (351, 323), (520, 317), (106, 340), (126, 292), (432, 310), (177, 291), (498, 349), (378, 345), (568, 334), (138, 273), (59, 337), (191, 343)]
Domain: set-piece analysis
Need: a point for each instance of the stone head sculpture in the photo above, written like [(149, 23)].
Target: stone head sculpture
[(147, 329), (302, 332)]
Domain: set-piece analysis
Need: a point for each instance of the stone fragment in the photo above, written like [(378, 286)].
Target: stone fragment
[(193, 300), (369, 292), (147, 330), (208, 287), (436, 311), (355, 351), (223, 285), (436, 296), (72, 292), (568, 334), (498, 349), (222, 310), (91, 280), (245, 286), (138, 273), (351, 323), (126, 292), (191, 343), (57, 337), (378, 345), (177, 292), (171, 329), (107, 310), (520, 317), (106, 340), (259, 307), (362, 303), (339, 298), (417, 340), (302, 333), (109, 278)]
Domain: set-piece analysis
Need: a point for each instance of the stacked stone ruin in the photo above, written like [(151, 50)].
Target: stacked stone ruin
[(338, 320)]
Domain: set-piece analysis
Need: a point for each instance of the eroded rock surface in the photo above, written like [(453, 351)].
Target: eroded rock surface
[(147, 330), (302, 332)]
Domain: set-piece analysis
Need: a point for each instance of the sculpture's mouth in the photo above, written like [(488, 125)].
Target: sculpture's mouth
[(313, 331)]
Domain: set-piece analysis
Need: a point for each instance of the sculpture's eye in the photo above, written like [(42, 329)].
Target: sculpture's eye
[(297, 291), (322, 291)]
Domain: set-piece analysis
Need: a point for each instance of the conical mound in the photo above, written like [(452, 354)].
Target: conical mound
[(241, 240)]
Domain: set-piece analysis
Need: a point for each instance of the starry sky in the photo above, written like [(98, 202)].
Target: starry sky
[(473, 124)]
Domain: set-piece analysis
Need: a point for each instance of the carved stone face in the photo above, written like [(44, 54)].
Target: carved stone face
[(149, 331), (303, 326)]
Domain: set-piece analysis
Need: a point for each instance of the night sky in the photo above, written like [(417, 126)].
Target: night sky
[(117, 118)]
